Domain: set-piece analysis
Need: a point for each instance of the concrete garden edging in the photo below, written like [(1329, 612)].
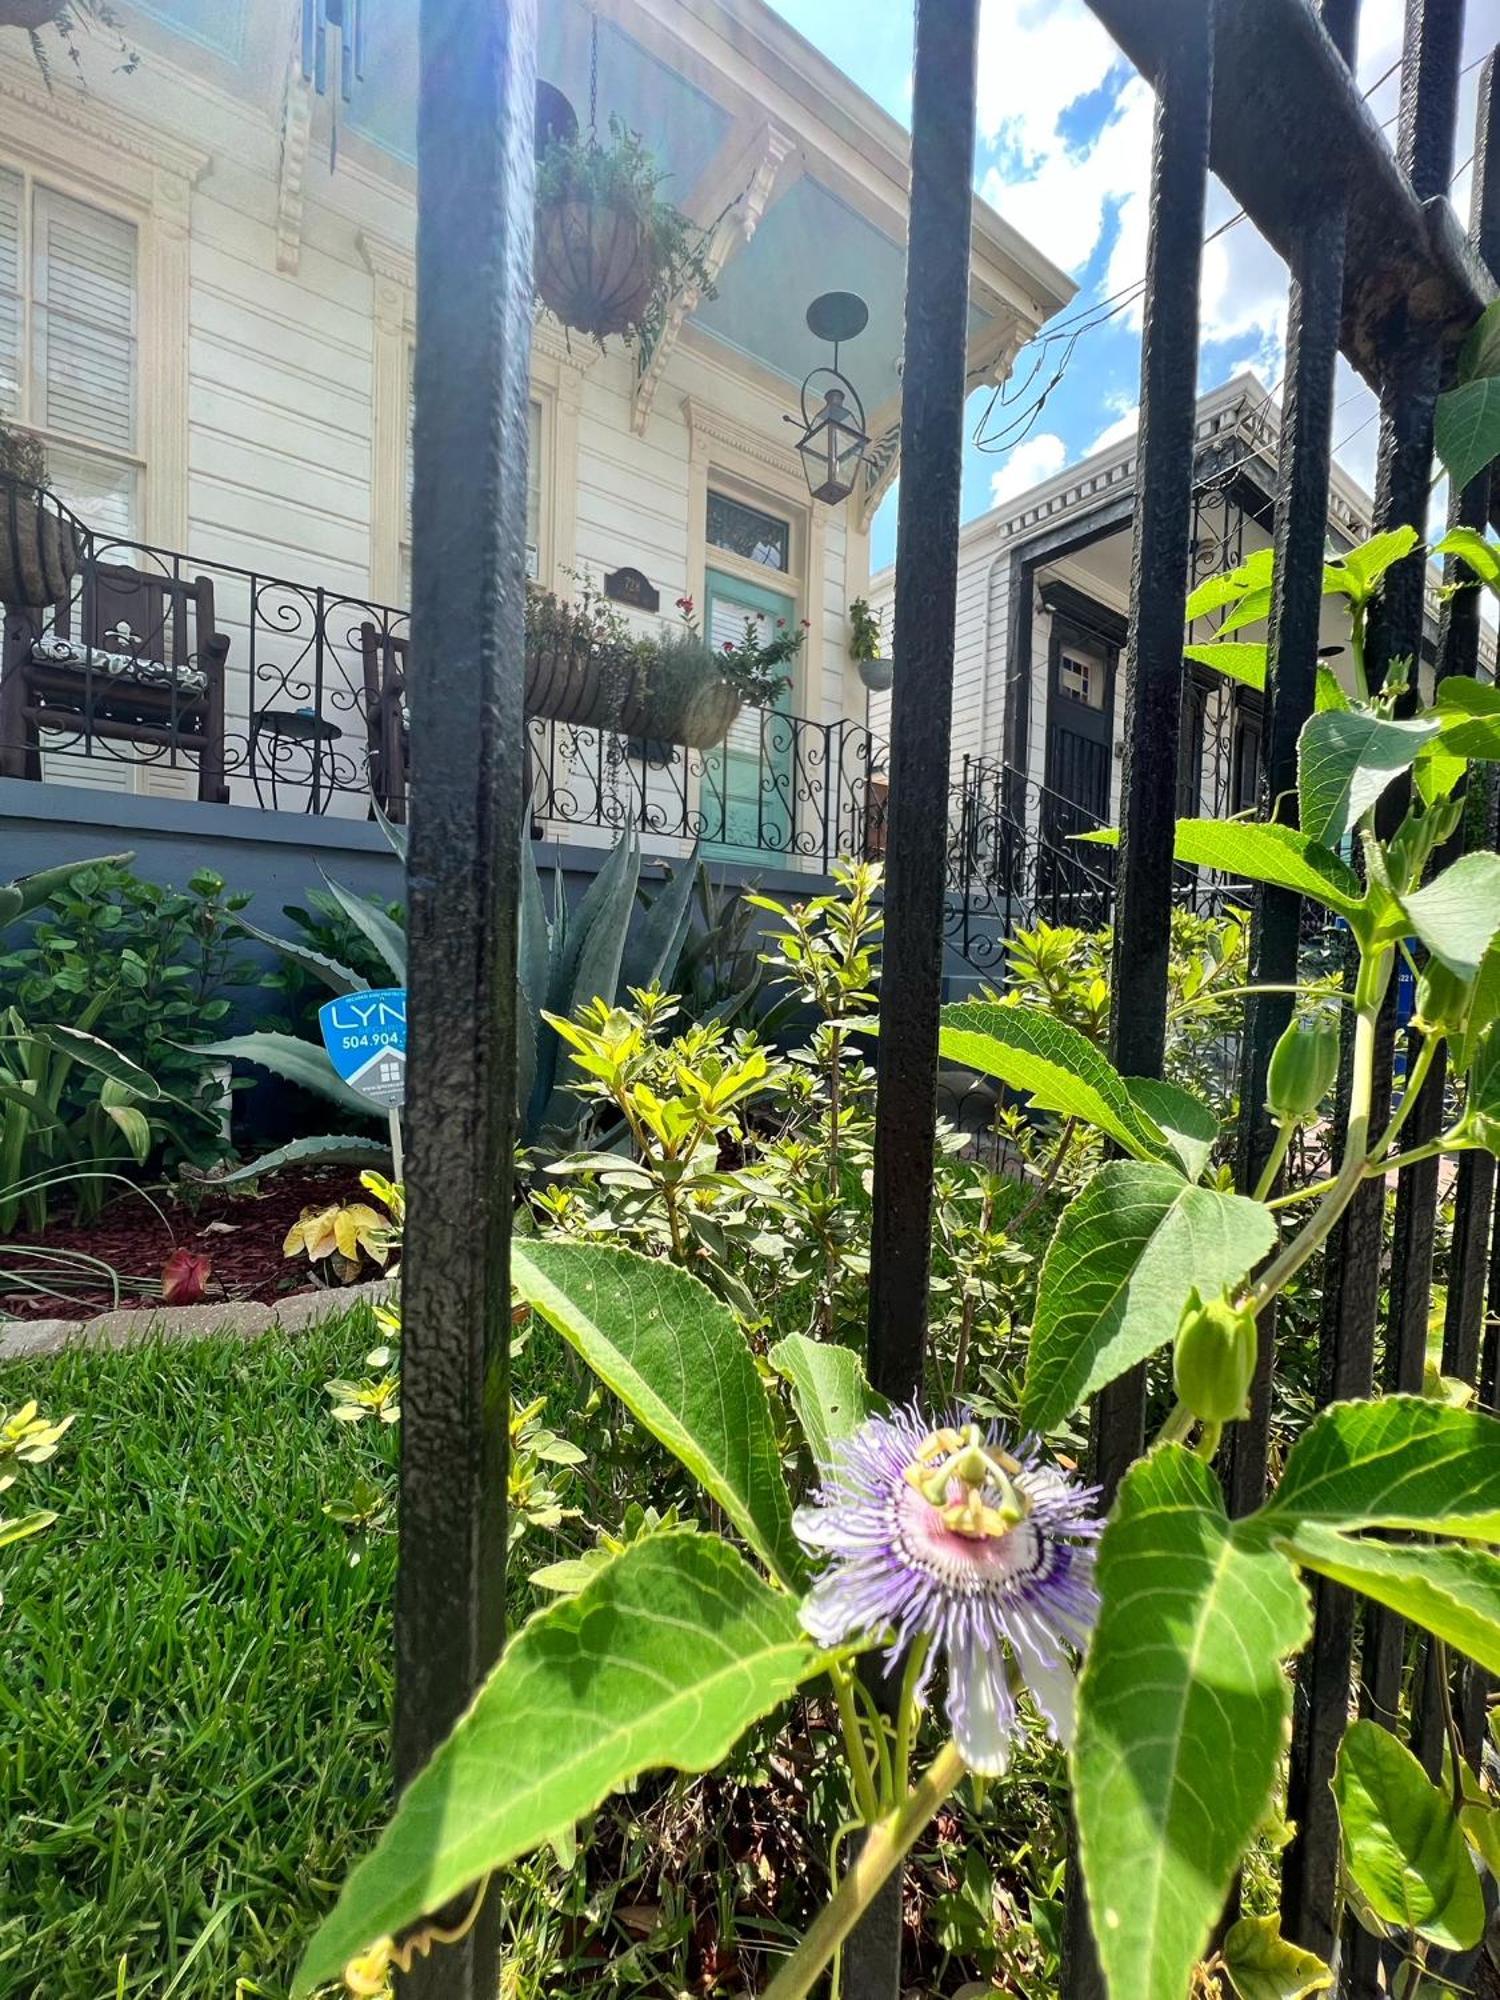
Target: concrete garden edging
[(22, 1339)]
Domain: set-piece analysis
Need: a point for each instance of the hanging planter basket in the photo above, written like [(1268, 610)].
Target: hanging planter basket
[(877, 674), (38, 548), (667, 694), (596, 266)]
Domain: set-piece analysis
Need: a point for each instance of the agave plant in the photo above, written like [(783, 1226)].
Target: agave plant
[(29, 892), (562, 959)]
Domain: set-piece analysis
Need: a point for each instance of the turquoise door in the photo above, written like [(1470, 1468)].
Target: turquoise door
[(747, 801)]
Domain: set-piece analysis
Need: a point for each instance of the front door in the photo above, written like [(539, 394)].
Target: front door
[(747, 804), (1079, 762)]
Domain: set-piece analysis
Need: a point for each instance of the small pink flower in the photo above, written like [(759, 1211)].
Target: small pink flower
[(685, 606), (184, 1278), (728, 645)]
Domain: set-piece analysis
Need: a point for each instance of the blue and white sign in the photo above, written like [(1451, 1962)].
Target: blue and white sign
[(365, 1036)]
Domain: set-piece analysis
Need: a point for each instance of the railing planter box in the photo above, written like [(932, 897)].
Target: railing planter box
[(666, 691), (38, 548)]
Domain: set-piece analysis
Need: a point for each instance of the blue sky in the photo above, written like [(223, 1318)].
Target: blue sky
[(1064, 154)]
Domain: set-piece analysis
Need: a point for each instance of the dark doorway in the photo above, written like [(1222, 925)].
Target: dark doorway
[(1079, 767)]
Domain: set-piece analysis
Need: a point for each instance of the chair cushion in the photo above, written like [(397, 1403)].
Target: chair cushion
[(54, 652)]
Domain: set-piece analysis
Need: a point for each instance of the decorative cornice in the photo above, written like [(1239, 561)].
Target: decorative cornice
[(74, 111), (394, 273), (296, 135), (708, 426)]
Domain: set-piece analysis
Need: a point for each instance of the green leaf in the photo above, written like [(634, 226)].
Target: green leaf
[(676, 1358), (297, 1061), (1399, 1462), (330, 1149), (96, 1055), (1328, 693), (1183, 1711), (1345, 760), (651, 955), (1263, 1965), (1251, 609), (1239, 662), (1475, 549), (1480, 354), (1127, 1252), (21, 1526), (1261, 851), (1466, 429), (1457, 915), (664, 1659), (830, 1391), (1453, 1592), (1254, 573), (337, 978), (1436, 772), (34, 890), (1190, 1128), (1367, 562), (382, 933), (1058, 1068), (134, 1128), (1402, 1844)]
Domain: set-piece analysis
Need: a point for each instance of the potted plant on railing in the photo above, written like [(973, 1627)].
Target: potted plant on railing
[(65, 18), (38, 548), (609, 253), (584, 668), (876, 669)]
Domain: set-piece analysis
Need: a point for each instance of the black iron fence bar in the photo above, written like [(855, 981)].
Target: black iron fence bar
[(1304, 462), (474, 258), (945, 70)]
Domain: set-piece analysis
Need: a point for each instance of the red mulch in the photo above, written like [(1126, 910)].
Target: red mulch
[(241, 1231)]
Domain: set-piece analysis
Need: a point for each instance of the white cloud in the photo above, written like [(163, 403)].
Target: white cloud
[(1030, 462), (1127, 416)]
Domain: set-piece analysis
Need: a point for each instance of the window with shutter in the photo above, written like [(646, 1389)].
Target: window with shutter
[(69, 291)]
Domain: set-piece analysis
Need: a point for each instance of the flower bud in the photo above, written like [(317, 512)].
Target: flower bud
[(1442, 1000), (1213, 1363), (1303, 1066)]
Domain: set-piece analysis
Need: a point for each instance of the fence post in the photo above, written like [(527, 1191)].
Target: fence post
[(475, 175), (932, 412), (1153, 677)]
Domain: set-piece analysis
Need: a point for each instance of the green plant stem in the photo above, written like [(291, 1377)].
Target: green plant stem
[(1357, 650), (1177, 1427), (1369, 990), (1208, 1442), (854, 1744), (1416, 1077), (1276, 1161), (1211, 995), (916, 1659), (885, 1846)]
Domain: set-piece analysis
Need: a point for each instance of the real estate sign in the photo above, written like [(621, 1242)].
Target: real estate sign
[(365, 1036)]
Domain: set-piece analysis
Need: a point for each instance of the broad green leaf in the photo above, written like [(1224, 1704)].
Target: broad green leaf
[(1261, 851), (1436, 772), (1367, 562), (675, 1357), (382, 933), (1457, 915), (1477, 550), (663, 1660), (1402, 1844), (134, 1127), (1398, 1462), (1468, 696), (1190, 1128), (1254, 573), (21, 1526), (1239, 662), (297, 1061), (652, 952), (1466, 428), (1328, 692), (1183, 1711), (830, 1391), (1448, 1590), (1058, 1068), (1250, 610), (1345, 760), (1263, 1965), (1126, 1254), (31, 891), (1480, 354), (100, 1056)]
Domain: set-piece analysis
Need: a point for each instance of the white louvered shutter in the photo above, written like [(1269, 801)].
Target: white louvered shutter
[(11, 195), (84, 340), (534, 491)]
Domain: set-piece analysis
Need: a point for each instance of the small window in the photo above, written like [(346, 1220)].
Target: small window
[(748, 533), (1080, 677)]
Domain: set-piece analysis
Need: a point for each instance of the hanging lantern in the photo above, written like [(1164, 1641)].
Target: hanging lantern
[(833, 441), (319, 19)]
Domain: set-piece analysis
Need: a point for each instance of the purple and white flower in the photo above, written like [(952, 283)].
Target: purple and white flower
[(944, 1535)]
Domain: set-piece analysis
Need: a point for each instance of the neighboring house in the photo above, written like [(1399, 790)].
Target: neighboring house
[(1044, 587), (211, 325)]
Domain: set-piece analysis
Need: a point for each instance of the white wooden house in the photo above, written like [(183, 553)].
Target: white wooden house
[(208, 316)]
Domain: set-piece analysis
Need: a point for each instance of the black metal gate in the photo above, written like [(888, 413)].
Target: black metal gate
[(1375, 272)]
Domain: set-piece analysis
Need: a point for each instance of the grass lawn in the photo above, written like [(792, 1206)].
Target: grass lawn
[(195, 1684)]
